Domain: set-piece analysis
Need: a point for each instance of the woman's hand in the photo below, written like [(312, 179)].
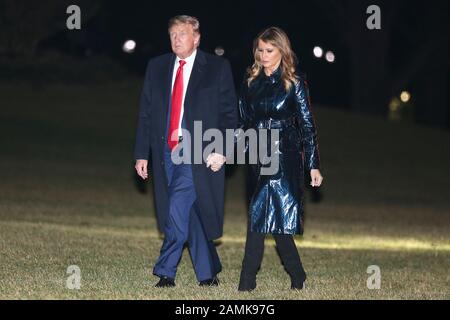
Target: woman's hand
[(316, 178)]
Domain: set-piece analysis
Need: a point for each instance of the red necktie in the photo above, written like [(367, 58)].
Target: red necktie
[(177, 99)]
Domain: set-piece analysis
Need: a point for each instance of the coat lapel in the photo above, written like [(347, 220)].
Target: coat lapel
[(167, 89), (194, 80)]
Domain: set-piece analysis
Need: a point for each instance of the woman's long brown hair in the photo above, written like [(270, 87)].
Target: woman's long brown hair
[(278, 38)]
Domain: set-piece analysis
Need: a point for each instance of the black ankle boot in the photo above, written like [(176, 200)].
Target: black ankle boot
[(247, 283), (298, 283)]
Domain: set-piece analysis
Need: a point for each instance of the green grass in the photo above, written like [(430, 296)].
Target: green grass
[(68, 197)]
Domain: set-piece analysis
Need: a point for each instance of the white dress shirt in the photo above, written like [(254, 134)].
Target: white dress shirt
[(187, 69)]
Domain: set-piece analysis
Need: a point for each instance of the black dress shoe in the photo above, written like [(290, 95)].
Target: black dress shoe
[(165, 282), (209, 282)]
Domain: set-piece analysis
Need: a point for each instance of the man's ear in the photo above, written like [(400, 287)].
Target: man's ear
[(197, 40)]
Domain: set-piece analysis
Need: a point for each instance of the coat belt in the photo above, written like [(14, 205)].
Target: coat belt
[(275, 124)]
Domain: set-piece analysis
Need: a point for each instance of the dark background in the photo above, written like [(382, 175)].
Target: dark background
[(372, 67)]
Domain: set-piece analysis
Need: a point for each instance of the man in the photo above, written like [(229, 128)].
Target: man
[(182, 87)]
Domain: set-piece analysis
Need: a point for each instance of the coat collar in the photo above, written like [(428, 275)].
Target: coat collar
[(275, 76), (196, 75)]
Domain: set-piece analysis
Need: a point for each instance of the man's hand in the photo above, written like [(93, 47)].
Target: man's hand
[(141, 168), (215, 161), (316, 178)]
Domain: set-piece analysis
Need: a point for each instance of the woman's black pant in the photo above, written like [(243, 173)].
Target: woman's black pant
[(254, 250)]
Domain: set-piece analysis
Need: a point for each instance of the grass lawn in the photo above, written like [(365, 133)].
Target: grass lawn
[(69, 196)]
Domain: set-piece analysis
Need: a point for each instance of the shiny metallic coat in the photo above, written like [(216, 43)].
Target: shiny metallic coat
[(276, 205)]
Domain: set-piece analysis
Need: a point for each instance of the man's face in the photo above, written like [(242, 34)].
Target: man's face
[(183, 39)]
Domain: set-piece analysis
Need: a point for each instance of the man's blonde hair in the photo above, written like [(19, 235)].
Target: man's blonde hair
[(193, 21)]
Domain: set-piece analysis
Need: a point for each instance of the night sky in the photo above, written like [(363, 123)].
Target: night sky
[(233, 25), (230, 26)]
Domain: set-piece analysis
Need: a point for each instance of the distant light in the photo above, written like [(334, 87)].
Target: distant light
[(405, 96), (129, 46), (395, 112), (330, 56), (318, 52), (219, 51), (394, 105)]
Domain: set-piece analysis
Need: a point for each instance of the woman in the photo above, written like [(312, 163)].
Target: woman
[(274, 96)]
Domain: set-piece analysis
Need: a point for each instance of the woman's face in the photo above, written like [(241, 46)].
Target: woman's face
[(269, 55)]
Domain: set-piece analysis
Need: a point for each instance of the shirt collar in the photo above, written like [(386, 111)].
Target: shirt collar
[(189, 60)]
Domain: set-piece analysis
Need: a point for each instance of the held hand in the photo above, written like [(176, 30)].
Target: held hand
[(215, 161), (141, 168), (316, 178)]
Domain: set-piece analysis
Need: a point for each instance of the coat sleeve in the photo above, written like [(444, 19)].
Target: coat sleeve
[(228, 113), (244, 116), (244, 119), (307, 125), (142, 144)]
